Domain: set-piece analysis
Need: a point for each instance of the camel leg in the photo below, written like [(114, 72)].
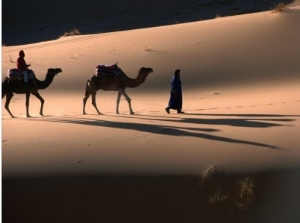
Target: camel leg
[(84, 102), (36, 94), (118, 102), (94, 103), (8, 99), (122, 91), (87, 95), (27, 104)]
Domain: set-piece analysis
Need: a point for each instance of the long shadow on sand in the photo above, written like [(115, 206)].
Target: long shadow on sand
[(250, 121)]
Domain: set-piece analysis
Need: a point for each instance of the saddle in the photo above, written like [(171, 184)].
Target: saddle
[(15, 75), (107, 70)]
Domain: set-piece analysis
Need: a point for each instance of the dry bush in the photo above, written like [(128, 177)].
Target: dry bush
[(235, 192), (278, 7), (246, 194), (72, 32)]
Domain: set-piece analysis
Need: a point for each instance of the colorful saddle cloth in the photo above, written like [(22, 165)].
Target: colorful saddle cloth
[(107, 70)]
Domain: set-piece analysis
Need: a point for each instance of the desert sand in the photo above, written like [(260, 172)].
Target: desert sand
[(240, 80)]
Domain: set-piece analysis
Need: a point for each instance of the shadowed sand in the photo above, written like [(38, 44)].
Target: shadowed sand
[(141, 198), (35, 22)]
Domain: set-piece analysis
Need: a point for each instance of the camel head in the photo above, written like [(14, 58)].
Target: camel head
[(144, 71), (54, 71)]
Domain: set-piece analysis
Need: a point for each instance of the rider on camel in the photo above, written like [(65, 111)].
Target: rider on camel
[(23, 66)]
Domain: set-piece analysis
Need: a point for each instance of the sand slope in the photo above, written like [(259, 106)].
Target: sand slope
[(240, 79)]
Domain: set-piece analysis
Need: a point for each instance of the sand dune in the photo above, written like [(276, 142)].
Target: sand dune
[(241, 84)]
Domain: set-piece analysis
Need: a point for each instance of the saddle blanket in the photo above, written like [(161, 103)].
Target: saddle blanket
[(15, 74), (107, 70)]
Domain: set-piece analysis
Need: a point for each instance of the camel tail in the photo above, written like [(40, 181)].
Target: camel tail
[(87, 88), (4, 83)]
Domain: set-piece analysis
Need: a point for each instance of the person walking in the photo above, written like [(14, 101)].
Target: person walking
[(175, 101)]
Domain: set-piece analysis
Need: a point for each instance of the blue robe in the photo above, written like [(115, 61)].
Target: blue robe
[(175, 101)]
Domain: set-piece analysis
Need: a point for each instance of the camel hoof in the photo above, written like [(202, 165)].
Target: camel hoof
[(132, 113)]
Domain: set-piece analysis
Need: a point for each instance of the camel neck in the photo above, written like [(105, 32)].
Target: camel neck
[(132, 83), (45, 83)]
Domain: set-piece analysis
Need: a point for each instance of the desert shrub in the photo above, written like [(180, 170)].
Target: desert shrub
[(246, 193), (235, 192), (72, 32), (278, 7), (212, 172)]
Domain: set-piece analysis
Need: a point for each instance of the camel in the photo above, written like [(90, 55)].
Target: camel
[(9, 87), (114, 83)]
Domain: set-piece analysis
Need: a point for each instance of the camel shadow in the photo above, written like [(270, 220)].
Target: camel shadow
[(250, 121)]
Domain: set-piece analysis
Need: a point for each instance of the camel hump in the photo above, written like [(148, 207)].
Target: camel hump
[(107, 70)]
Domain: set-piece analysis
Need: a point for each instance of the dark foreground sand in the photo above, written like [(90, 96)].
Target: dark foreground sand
[(273, 198)]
